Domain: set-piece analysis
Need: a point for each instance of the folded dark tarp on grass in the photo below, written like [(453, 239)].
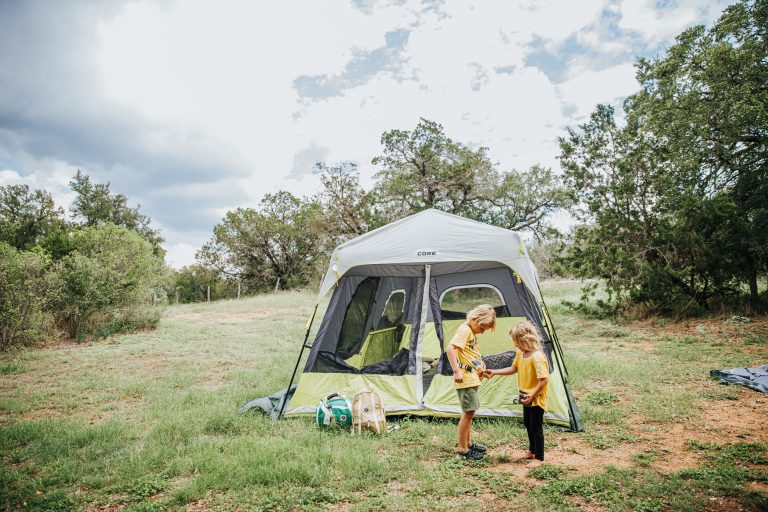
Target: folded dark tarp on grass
[(754, 378), (269, 404)]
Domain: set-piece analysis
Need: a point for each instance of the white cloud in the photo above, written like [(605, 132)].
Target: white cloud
[(51, 175), (180, 255), (658, 24), (584, 91), (191, 108)]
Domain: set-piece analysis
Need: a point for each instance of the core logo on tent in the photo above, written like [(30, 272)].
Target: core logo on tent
[(426, 252)]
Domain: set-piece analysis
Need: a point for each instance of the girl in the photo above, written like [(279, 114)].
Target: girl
[(532, 370)]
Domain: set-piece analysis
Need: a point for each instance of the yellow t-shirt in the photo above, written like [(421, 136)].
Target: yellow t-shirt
[(529, 370), (468, 352)]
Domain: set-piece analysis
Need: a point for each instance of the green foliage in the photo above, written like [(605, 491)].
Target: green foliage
[(501, 485), (108, 282), (544, 252), (11, 369), (95, 205), (546, 472), (752, 453), (673, 206), (756, 339), (27, 217), (94, 278), (144, 487), (424, 168), (601, 398), (278, 241), (644, 459), (190, 284), (26, 288), (347, 209), (522, 200)]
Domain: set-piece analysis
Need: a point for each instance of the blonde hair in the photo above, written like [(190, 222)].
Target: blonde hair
[(483, 316), (525, 336)]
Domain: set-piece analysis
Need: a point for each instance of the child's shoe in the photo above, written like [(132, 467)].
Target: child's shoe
[(472, 455), (478, 447)]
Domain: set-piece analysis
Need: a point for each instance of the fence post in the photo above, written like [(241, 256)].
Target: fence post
[(177, 295), (277, 285), (209, 294), (238, 290)]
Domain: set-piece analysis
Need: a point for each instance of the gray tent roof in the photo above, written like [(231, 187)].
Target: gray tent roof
[(431, 237)]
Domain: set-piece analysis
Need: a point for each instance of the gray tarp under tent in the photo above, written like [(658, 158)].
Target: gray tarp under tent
[(753, 378), (270, 405)]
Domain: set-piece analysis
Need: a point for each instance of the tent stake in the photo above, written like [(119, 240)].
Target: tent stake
[(295, 368)]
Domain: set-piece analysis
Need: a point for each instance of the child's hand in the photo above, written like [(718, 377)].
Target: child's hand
[(458, 377), (528, 399), (489, 373)]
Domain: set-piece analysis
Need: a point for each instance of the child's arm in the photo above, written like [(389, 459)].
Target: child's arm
[(532, 394), (453, 359), (504, 371)]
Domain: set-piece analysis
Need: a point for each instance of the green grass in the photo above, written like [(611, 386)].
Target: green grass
[(147, 421), (546, 472)]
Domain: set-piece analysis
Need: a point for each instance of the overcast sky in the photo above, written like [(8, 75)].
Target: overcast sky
[(192, 108)]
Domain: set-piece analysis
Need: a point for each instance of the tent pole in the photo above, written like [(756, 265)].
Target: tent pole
[(420, 335), (296, 368), (575, 417)]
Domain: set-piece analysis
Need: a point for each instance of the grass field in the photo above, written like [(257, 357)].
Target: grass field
[(148, 421)]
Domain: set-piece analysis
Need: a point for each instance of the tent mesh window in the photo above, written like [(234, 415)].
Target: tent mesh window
[(393, 310), (356, 317), (456, 302)]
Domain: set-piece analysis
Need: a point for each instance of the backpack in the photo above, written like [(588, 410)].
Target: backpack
[(368, 412), (334, 411)]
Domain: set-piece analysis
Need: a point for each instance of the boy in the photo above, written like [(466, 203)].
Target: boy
[(464, 357)]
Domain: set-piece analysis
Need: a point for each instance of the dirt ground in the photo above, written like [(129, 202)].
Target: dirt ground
[(724, 422)]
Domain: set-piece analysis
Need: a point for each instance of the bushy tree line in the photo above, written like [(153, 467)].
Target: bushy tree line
[(673, 202), (287, 239), (98, 273)]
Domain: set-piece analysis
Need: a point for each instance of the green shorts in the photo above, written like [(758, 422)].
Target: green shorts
[(469, 398)]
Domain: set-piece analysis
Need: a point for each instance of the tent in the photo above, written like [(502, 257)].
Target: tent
[(398, 294)]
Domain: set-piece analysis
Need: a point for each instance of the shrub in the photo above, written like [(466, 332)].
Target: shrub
[(26, 288), (108, 282)]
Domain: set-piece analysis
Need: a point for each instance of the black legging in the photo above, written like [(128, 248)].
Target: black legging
[(533, 419)]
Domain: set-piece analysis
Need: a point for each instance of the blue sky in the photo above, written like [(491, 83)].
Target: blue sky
[(193, 108)]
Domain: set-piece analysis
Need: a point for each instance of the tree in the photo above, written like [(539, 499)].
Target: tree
[(191, 284), (423, 168), (279, 241), (524, 201), (96, 205), (673, 205), (614, 191), (706, 102), (27, 217), (348, 210)]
